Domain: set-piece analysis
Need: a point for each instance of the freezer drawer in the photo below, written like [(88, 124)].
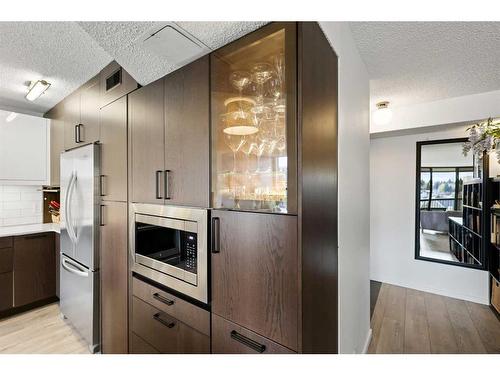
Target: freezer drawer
[(79, 301)]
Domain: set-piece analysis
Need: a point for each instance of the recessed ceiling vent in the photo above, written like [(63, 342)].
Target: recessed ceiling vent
[(174, 45)]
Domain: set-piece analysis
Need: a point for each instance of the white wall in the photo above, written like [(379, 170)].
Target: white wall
[(392, 223), (353, 190), (20, 205)]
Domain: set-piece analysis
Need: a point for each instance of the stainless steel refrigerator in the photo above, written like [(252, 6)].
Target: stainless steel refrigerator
[(79, 267)]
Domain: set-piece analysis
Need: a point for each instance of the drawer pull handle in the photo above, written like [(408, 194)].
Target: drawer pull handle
[(164, 322), (259, 348), (162, 299)]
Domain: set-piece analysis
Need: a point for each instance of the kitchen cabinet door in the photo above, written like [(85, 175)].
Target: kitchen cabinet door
[(71, 115), (255, 273), (147, 138), (6, 291), (187, 141), (114, 276), (34, 268), (89, 112), (56, 120), (114, 151)]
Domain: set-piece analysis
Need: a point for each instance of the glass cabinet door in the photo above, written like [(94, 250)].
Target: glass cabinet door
[(253, 122)]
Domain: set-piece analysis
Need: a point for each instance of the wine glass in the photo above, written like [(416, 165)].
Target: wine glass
[(278, 83), (261, 73), (234, 142), (240, 79)]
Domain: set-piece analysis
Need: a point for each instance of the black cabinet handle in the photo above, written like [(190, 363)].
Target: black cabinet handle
[(78, 133), (164, 322), (162, 299), (101, 215), (101, 185), (259, 348), (215, 235), (157, 183), (167, 183)]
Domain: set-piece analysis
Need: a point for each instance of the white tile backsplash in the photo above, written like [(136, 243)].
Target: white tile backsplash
[(20, 205)]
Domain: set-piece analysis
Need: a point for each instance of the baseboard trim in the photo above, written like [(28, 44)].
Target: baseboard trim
[(367, 341)]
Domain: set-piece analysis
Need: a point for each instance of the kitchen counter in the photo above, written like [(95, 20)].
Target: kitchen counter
[(19, 230)]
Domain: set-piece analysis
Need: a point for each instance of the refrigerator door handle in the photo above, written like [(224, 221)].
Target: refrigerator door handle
[(67, 204), (74, 268)]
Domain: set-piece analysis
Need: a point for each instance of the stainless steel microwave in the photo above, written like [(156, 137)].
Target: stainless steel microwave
[(168, 244)]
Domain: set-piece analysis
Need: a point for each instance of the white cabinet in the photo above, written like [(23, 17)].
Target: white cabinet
[(24, 150)]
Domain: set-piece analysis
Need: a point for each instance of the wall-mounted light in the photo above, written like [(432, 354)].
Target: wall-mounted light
[(37, 89), (383, 114), (11, 117)]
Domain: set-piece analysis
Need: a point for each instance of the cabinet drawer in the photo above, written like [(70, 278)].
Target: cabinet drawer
[(139, 346), (6, 301), (186, 312), (230, 338), (165, 333), (5, 242), (6, 260)]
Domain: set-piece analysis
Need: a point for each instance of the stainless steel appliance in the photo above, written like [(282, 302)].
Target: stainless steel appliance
[(79, 267), (169, 245)]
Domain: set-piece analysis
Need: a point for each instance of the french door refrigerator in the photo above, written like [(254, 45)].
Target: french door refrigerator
[(79, 267)]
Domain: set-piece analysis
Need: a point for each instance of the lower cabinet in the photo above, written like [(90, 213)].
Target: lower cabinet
[(114, 278), (170, 326), (230, 338), (6, 291), (34, 267)]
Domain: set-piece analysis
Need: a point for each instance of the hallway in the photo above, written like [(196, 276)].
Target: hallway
[(410, 321)]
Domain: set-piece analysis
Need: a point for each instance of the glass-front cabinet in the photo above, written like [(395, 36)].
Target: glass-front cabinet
[(253, 96)]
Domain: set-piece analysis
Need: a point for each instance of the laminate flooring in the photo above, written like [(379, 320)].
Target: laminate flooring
[(410, 321), (39, 331)]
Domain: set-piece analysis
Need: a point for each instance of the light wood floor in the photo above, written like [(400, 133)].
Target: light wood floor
[(39, 331), (411, 321)]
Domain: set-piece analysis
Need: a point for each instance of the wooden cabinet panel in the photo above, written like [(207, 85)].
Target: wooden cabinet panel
[(230, 338), (146, 127), (114, 151), (114, 278), (255, 273), (165, 333), (6, 291), (188, 313), (56, 117), (6, 260), (115, 82), (71, 116), (89, 112), (139, 346), (6, 242), (187, 141), (34, 268)]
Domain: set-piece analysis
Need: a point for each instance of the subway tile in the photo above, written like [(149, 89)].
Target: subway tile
[(6, 214)]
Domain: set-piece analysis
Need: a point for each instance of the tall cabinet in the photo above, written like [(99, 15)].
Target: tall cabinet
[(274, 192)]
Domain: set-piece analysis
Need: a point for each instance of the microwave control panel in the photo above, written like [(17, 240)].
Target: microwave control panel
[(191, 241)]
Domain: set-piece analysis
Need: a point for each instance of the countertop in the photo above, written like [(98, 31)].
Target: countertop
[(19, 230)]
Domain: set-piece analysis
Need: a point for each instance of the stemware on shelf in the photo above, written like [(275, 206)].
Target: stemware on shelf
[(261, 73)]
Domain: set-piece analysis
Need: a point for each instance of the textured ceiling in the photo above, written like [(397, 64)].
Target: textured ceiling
[(122, 40), (59, 52), (67, 54), (414, 62)]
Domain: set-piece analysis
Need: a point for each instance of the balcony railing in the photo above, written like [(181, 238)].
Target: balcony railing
[(441, 204)]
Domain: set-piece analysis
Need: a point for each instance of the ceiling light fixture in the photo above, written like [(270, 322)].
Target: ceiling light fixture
[(383, 114), (11, 117), (37, 89)]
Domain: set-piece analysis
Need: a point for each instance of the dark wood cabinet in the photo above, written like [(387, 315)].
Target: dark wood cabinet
[(113, 141), (230, 338), (115, 83), (114, 277), (6, 259), (146, 151), (81, 115), (34, 268), (6, 291), (187, 127), (255, 273)]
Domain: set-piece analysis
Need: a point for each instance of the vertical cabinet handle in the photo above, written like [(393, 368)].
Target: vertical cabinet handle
[(259, 348), (215, 235), (158, 184), (101, 185), (167, 184), (101, 215), (76, 133)]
